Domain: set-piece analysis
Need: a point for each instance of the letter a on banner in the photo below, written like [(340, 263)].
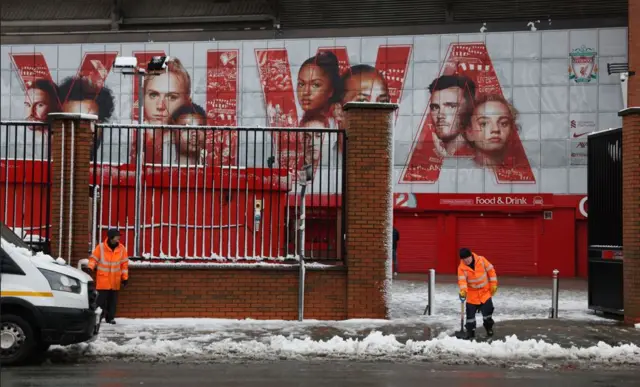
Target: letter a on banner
[(425, 159)]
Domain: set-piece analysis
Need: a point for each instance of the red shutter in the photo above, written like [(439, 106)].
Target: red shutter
[(417, 248), (508, 243)]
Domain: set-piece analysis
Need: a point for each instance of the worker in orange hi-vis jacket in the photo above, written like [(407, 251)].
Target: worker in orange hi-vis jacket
[(110, 261), (478, 283)]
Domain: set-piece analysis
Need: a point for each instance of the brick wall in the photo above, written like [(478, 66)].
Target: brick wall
[(78, 132), (369, 205), (233, 293), (631, 174)]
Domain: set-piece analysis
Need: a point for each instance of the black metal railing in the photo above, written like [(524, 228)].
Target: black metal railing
[(220, 193), (25, 180)]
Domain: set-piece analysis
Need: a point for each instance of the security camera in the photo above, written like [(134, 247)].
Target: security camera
[(158, 63), (125, 62)]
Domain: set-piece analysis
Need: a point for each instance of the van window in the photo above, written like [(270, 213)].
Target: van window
[(8, 235), (7, 265)]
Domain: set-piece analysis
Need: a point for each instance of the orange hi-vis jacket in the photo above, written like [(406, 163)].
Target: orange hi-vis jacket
[(112, 266), (477, 281)]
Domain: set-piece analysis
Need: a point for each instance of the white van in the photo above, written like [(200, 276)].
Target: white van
[(42, 302)]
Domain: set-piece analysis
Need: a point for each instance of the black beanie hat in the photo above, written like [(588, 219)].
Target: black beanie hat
[(112, 233), (465, 253)]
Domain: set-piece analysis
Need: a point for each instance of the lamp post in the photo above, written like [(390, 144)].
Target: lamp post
[(305, 176), (129, 66)]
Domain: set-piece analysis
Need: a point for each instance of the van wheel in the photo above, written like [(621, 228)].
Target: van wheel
[(17, 341)]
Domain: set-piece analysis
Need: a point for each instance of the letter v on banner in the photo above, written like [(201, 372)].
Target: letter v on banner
[(95, 67), (280, 100), (425, 160)]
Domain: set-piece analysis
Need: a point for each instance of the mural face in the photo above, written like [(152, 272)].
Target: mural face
[(499, 113)]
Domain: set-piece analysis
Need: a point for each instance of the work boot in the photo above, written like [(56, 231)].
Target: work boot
[(489, 328), (471, 334), (112, 322)]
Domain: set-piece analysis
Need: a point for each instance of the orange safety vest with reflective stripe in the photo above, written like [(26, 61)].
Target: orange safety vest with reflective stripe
[(477, 281), (112, 266)]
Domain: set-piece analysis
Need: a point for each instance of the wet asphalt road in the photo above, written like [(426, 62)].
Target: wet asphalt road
[(307, 374)]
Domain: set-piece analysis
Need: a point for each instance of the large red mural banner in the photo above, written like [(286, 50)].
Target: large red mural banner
[(325, 82), (481, 123)]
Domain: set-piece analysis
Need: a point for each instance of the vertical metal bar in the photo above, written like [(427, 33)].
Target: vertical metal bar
[(432, 291), (48, 184), (302, 276), (343, 206), (220, 201), (118, 208), (555, 295), (253, 189), (169, 252), (33, 179), (139, 155), (262, 197), (71, 188), (42, 165), (246, 192), (61, 193), (179, 220), (237, 163), (195, 190), (229, 198), (6, 180), (279, 222), (186, 213), (204, 191)]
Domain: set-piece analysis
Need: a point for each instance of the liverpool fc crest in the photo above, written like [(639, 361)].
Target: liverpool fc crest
[(583, 66)]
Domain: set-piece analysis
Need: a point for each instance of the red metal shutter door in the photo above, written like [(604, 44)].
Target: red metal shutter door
[(508, 243), (417, 248)]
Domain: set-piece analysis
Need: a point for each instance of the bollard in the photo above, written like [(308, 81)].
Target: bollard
[(432, 292), (555, 295)]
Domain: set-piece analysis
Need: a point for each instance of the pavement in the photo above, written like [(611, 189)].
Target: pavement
[(307, 374)]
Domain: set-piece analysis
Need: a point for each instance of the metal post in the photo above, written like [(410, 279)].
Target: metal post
[(554, 295), (139, 156), (301, 226), (429, 309)]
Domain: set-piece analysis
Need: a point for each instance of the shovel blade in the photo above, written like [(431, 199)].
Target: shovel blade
[(460, 334)]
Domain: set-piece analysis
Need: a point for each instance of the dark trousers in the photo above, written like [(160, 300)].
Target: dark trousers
[(487, 315), (107, 300), (394, 256)]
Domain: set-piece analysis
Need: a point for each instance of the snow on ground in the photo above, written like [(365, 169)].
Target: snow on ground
[(220, 339), (409, 299)]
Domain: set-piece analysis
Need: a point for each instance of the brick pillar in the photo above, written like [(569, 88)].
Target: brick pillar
[(72, 140), (631, 174), (369, 205)]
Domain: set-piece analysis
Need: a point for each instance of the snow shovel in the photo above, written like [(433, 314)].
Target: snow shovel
[(460, 334)]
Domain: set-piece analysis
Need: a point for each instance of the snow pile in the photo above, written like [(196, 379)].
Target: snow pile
[(638, 325), (16, 251), (375, 345)]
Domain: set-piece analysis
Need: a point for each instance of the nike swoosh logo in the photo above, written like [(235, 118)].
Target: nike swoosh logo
[(576, 135)]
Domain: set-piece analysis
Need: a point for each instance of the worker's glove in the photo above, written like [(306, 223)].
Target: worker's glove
[(124, 283), (494, 289), (87, 270), (463, 295)]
